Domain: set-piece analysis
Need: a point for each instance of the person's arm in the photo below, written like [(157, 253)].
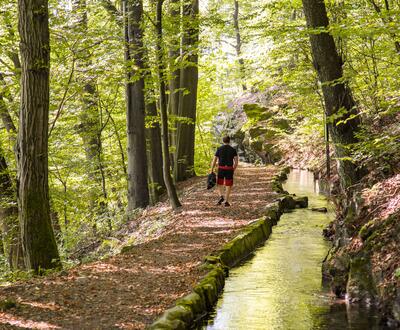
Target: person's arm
[(235, 162), (213, 163)]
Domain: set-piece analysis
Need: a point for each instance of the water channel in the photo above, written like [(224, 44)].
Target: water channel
[(280, 286)]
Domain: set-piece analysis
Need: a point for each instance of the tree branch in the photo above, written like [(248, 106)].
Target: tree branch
[(61, 106), (112, 11)]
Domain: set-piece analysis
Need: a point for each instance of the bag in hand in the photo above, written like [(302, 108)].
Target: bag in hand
[(211, 180)]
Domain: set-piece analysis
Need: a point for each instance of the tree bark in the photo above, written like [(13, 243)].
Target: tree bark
[(4, 113), (174, 54), (39, 245), (9, 218), (155, 154), (12, 243), (238, 45), (340, 106), (138, 191), (184, 167), (172, 195)]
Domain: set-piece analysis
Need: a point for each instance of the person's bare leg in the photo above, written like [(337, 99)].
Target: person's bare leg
[(228, 193), (221, 190)]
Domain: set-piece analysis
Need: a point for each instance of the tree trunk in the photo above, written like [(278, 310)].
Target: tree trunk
[(184, 167), (155, 154), (138, 191), (336, 93), (172, 195), (39, 245), (89, 128), (4, 113), (12, 243), (9, 218), (174, 54), (238, 45), (386, 21)]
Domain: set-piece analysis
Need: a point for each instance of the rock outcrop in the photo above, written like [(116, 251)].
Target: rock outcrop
[(256, 124), (364, 264)]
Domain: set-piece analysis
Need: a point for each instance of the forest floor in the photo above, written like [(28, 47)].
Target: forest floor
[(129, 290)]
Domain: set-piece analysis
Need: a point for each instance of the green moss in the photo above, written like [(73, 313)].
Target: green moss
[(164, 324), (194, 302), (370, 239), (277, 187), (273, 212), (212, 260), (360, 285), (281, 124), (257, 131), (366, 230), (209, 290), (256, 112), (256, 145), (179, 312)]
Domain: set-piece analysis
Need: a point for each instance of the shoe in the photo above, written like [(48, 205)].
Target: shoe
[(220, 200), (227, 204)]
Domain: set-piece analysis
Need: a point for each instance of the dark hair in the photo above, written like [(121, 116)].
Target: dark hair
[(226, 139)]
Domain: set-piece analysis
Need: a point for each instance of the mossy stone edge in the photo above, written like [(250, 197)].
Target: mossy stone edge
[(194, 306)]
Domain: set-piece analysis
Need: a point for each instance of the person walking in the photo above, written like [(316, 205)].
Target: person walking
[(228, 160)]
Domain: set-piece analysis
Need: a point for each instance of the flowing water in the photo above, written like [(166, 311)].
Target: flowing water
[(280, 286)]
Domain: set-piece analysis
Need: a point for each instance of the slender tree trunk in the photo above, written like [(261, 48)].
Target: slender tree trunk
[(386, 21), (89, 128), (12, 243), (337, 94), (174, 54), (184, 167), (115, 14), (155, 154), (238, 45), (9, 218), (172, 195), (138, 191), (4, 113), (39, 244), (120, 147)]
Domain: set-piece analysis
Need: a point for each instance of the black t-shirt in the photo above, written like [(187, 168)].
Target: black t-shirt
[(225, 154)]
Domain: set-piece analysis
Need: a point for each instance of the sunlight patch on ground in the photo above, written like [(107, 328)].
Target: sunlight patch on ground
[(168, 269), (27, 324), (50, 306), (193, 212), (109, 268)]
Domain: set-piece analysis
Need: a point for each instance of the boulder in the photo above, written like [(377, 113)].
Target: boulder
[(301, 202), (288, 203)]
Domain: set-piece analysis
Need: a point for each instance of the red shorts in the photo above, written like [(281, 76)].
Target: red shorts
[(225, 176)]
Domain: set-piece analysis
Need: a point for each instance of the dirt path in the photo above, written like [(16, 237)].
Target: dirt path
[(130, 290)]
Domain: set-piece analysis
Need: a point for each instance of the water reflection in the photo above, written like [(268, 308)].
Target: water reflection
[(280, 288)]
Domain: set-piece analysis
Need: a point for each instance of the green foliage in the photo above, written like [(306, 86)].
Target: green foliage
[(275, 49), (210, 102)]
